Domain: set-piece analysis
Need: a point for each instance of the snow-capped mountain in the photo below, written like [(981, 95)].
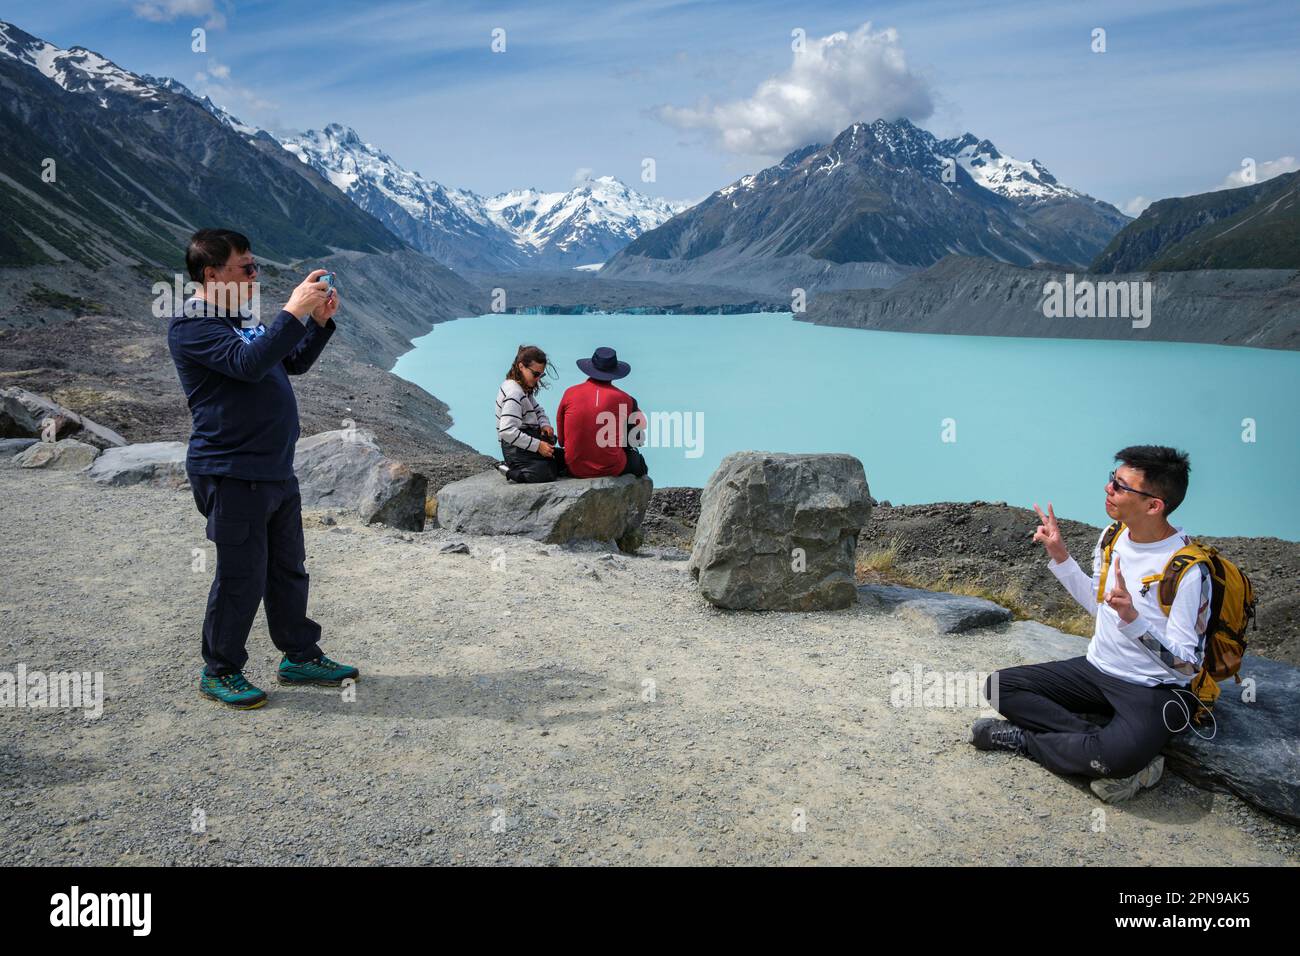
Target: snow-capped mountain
[(519, 229), (1005, 175), (450, 225), (77, 70), (139, 162), (882, 200), (585, 225), (175, 86)]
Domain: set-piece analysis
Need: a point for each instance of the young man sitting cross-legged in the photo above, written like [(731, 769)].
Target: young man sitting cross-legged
[(1138, 658)]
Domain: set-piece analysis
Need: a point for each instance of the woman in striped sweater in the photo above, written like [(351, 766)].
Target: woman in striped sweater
[(527, 438)]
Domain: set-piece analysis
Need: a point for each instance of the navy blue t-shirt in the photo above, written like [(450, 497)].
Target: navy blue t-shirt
[(236, 381)]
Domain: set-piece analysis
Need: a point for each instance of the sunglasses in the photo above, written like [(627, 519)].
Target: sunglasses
[(1120, 486), (249, 269), (535, 372)]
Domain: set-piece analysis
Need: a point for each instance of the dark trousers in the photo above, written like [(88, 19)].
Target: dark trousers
[(257, 528), (635, 463), (531, 467), (1055, 703)]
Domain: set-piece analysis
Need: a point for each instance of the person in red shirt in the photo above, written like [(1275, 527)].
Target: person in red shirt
[(599, 424)]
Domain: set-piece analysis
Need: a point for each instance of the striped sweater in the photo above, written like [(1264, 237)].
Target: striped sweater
[(515, 409)]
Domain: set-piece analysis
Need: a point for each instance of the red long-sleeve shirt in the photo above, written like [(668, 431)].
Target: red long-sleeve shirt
[(593, 442)]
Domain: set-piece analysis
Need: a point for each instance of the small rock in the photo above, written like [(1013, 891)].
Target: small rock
[(67, 454)]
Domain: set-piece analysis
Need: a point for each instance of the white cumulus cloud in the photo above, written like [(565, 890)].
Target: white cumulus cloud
[(832, 83), (1262, 171), (165, 11), (214, 81), (1135, 206)]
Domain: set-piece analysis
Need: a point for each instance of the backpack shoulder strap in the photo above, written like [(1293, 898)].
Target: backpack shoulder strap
[(1108, 538), (1184, 559)]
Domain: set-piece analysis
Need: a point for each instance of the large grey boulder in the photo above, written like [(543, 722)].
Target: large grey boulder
[(159, 463), (345, 469), (947, 613), (65, 455), (1255, 752), (23, 415), (779, 531), (604, 510)]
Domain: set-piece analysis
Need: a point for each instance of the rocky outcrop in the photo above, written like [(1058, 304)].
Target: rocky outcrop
[(346, 469), (778, 531), (1255, 750), (604, 510), (155, 463), (24, 414), (947, 613), (65, 455)]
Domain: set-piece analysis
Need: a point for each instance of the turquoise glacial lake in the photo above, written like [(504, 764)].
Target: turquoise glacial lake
[(932, 417)]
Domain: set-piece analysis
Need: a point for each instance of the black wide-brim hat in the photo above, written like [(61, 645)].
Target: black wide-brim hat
[(604, 365)]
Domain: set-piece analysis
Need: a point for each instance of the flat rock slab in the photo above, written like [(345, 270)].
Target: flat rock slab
[(949, 613), (1036, 642), (65, 455), (12, 446), (154, 463), (605, 510), (1255, 752)]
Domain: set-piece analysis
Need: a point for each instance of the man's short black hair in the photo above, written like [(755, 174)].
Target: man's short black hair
[(213, 247), (1164, 471)]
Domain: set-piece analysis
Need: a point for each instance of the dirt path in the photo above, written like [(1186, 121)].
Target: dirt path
[(505, 690)]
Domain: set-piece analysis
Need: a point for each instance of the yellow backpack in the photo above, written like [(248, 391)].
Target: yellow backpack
[(1232, 608)]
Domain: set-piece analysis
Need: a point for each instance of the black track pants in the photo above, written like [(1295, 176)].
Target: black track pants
[(1056, 701)]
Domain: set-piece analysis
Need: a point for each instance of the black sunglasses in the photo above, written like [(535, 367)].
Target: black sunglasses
[(1120, 486)]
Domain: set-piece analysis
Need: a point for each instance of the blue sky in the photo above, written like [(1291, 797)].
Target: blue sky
[(1182, 94)]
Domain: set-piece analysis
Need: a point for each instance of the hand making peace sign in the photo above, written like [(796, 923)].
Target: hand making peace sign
[(1120, 601), (1049, 533)]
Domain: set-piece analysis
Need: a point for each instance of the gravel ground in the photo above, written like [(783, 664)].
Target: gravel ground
[(504, 715)]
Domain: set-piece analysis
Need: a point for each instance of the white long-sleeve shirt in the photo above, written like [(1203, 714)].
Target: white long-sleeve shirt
[(1152, 649), (516, 408)]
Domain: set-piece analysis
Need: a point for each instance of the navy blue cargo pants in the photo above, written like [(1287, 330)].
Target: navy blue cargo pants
[(257, 528)]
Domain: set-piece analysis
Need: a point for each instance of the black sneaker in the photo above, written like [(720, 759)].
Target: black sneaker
[(990, 733)]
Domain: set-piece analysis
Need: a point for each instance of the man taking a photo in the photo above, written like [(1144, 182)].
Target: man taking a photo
[(1139, 658), (235, 374)]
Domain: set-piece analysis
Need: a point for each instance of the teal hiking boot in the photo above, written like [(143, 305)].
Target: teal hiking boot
[(232, 690), (322, 671)]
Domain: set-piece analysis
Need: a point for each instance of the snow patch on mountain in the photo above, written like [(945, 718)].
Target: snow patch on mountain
[(77, 70), (1002, 174)]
